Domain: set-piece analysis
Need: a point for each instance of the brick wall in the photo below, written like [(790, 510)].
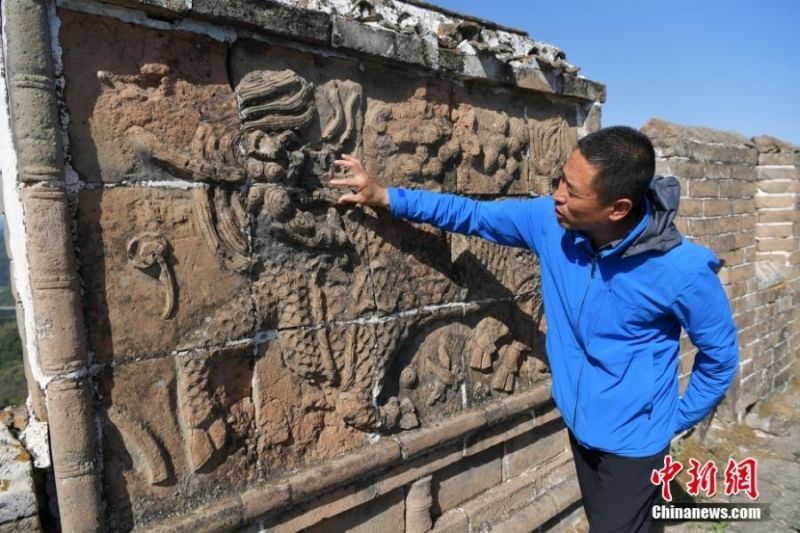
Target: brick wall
[(739, 198)]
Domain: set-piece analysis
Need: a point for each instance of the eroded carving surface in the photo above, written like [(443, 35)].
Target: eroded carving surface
[(493, 152), (552, 140)]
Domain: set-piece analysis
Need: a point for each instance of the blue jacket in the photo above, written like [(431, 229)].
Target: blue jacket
[(613, 318)]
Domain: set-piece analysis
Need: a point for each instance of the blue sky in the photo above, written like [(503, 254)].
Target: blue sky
[(726, 64)]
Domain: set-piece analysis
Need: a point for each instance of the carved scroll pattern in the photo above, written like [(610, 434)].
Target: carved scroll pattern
[(552, 140), (148, 250)]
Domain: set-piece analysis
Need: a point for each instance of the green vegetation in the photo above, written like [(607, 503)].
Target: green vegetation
[(12, 376), (13, 389)]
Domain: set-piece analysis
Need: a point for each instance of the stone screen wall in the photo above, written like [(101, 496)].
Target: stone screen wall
[(211, 341)]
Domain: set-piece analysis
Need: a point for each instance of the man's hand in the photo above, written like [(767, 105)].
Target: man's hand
[(364, 190)]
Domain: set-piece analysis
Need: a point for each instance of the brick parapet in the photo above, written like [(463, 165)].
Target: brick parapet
[(739, 198)]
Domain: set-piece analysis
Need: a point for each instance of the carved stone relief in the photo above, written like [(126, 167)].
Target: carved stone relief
[(409, 142), (493, 150), (134, 309), (274, 327), (552, 140), (174, 429)]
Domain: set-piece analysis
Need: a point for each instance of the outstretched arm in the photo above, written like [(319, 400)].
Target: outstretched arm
[(506, 222)]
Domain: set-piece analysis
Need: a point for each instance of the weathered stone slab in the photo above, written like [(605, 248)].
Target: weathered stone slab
[(161, 270), (461, 481), (269, 16), (553, 137), (308, 385), (408, 134), (493, 139), (194, 436), (381, 42), (489, 270), (505, 354), (145, 104), (409, 264)]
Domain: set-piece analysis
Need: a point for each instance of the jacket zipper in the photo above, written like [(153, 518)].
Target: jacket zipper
[(583, 346)]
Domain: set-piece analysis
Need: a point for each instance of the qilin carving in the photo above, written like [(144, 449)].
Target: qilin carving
[(205, 429), (263, 156), (147, 251)]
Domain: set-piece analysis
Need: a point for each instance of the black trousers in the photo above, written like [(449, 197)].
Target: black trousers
[(617, 492)]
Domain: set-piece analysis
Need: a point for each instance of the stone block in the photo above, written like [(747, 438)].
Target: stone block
[(269, 17), (534, 448), (703, 189), (776, 201), (385, 513), (690, 207), (195, 434), (129, 118), (786, 176), (168, 274), (343, 470), (553, 139), (382, 42), (400, 148), (461, 481), (780, 159), (777, 229), (31, 91), (312, 395), (730, 188), (56, 299), (583, 88), (444, 432), (452, 521), (773, 244), (492, 137)]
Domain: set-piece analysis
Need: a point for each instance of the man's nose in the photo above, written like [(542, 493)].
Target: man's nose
[(560, 193)]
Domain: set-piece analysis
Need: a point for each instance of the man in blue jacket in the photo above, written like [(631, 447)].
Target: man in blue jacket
[(618, 283)]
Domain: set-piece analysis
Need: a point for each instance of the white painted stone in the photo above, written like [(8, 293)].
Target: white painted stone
[(17, 498)]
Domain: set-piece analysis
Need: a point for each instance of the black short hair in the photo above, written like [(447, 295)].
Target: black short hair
[(625, 162)]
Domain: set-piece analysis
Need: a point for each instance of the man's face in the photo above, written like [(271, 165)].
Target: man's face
[(577, 204)]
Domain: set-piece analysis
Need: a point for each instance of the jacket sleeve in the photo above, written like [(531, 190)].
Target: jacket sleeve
[(703, 310), (509, 222)]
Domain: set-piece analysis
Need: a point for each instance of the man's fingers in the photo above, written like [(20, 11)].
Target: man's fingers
[(347, 182), (350, 199), (344, 163)]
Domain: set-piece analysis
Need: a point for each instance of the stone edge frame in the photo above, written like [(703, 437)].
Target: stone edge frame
[(375, 471), (58, 340)]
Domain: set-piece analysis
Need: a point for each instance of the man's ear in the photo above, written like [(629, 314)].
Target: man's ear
[(620, 209)]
